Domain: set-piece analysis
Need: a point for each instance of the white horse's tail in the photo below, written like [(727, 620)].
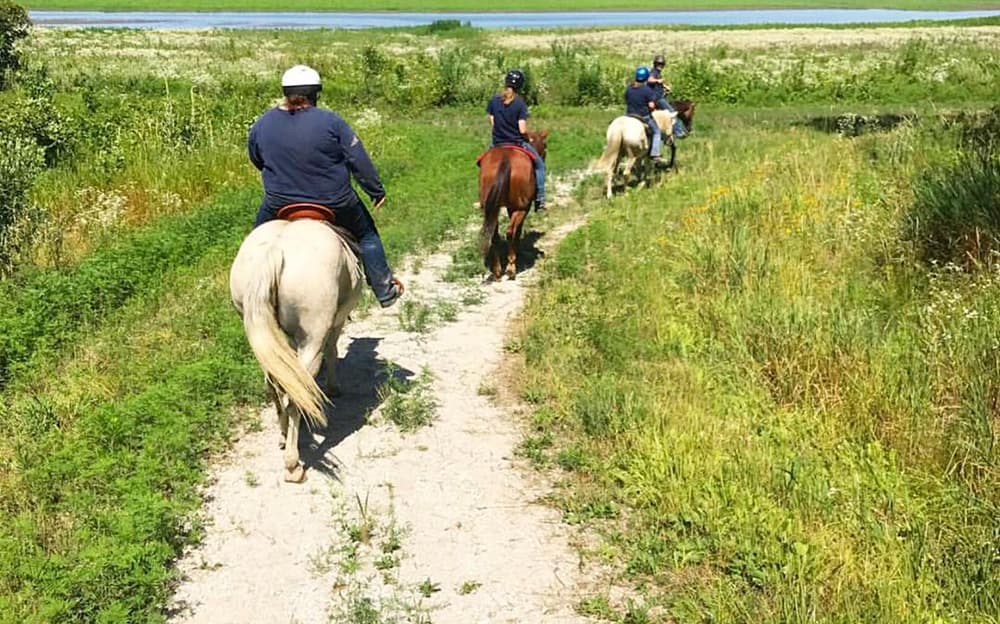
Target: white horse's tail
[(271, 347), (610, 156)]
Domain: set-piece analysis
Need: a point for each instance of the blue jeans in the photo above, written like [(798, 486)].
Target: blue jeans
[(539, 172), (355, 217), (654, 150)]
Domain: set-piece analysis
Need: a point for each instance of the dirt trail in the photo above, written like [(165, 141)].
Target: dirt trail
[(440, 525)]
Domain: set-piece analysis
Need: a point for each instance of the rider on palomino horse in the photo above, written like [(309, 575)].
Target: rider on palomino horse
[(508, 117), (661, 89), (640, 101), (307, 155)]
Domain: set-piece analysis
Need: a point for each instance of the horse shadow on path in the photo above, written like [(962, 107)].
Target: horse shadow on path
[(360, 374), (528, 252)]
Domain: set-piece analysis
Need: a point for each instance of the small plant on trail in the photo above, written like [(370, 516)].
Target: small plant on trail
[(468, 587), (408, 405), (428, 587), (361, 532), (415, 316)]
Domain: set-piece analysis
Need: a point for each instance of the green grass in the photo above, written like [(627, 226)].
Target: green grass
[(717, 325), (472, 5), (771, 410)]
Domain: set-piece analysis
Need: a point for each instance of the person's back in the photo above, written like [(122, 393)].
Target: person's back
[(508, 115), (308, 155), (637, 99), (306, 159)]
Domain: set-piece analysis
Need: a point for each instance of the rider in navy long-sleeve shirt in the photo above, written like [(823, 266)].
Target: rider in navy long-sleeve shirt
[(309, 154)]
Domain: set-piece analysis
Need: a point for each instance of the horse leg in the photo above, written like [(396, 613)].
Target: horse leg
[(513, 238), (627, 173), (274, 395), (494, 255), (330, 386), (612, 173), (311, 357), (673, 153)]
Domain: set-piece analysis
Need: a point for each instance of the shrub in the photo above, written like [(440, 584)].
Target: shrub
[(14, 26), (20, 163), (955, 217)]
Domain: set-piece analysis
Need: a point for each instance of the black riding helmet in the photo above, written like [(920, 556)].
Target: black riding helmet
[(659, 61), (514, 79)]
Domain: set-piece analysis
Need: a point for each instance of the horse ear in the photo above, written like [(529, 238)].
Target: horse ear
[(544, 133)]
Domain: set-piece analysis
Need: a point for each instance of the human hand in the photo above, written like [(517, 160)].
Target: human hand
[(378, 203)]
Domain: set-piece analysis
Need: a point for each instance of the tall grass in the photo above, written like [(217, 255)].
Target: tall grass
[(771, 409)]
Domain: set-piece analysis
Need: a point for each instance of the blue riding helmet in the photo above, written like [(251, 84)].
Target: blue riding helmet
[(642, 74)]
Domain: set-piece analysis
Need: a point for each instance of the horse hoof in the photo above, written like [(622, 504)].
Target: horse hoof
[(295, 476)]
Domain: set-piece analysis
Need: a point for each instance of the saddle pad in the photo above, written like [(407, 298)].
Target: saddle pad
[(508, 146)]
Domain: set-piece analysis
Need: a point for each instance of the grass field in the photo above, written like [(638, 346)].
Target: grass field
[(769, 384), (771, 408), (512, 5)]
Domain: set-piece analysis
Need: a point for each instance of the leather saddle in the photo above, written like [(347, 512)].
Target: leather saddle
[(307, 210)]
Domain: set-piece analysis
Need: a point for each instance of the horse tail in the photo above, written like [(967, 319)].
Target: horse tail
[(607, 160), (270, 345), (495, 196)]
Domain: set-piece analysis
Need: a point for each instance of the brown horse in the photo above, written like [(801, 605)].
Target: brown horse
[(685, 112), (506, 178)]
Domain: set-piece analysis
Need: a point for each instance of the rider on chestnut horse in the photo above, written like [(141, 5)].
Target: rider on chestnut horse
[(661, 89), (508, 118), (307, 155)]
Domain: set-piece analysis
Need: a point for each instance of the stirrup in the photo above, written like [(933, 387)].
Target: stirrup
[(396, 292)]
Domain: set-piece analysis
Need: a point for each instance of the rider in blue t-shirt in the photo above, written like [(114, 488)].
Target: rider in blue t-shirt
[(661, 89), (640, 101), (508, 118)]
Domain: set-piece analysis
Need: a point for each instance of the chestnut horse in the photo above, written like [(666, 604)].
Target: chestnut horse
[(685, 112), (506, 179)]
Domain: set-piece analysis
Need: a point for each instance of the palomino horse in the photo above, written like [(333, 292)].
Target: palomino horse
[(294, 283), (506, 178), (627, 143)]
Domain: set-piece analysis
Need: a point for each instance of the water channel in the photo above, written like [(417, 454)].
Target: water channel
[(386, 19)]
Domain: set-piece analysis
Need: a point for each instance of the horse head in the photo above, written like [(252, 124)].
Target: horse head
[(685, 110), (539, 140)]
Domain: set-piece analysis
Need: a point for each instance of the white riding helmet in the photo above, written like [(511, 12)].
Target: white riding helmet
[(301, 76)]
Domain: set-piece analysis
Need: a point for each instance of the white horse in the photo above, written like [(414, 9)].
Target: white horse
[(627, 142), (294, 283)]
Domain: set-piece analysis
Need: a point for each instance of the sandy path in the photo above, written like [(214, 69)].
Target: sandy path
[(439, 525)]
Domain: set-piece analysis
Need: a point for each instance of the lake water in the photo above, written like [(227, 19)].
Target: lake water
[(189, 20)]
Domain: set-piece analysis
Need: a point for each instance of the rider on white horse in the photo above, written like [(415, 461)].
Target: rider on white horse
[(307, 155), (640, 101)]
